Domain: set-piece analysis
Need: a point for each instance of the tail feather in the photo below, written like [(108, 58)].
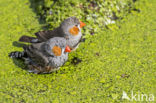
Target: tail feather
[(17, 54), (28, 39)]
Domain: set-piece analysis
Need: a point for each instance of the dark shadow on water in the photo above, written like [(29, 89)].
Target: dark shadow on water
[(20, 63), (76, 61), (35, 5)]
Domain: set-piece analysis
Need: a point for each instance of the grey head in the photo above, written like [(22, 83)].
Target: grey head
[(71, 23)]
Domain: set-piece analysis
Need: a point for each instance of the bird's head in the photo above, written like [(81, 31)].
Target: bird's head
[(72, 26)]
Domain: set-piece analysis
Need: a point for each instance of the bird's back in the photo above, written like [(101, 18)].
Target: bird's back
[(46, 35)]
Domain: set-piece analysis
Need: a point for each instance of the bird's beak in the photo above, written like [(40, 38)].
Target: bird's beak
[(82, 24), (67, 49)]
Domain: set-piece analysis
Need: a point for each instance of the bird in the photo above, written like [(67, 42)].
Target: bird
[(70, 29), (44, 57)]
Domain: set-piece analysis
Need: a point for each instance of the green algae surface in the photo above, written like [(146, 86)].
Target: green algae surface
[(120, 58)]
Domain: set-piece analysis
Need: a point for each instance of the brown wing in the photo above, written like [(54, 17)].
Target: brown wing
[(45, 35)]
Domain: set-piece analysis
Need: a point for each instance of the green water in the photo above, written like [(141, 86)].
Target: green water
[(114, 60)]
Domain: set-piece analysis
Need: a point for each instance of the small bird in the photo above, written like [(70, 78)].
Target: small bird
[(44, 57), (70, 29)]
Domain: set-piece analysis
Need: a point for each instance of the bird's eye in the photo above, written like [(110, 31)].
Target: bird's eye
[(57, 51), (76, 25)]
